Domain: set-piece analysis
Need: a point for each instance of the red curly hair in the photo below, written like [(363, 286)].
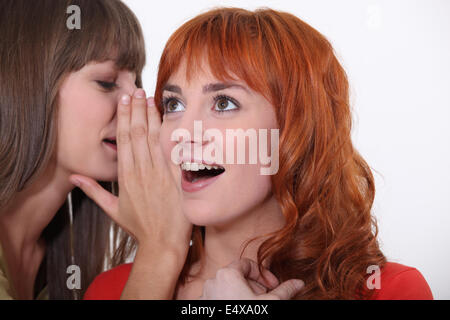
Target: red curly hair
[(324, 187)]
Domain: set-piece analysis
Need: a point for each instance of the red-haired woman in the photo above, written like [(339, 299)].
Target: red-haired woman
[(268, 70)]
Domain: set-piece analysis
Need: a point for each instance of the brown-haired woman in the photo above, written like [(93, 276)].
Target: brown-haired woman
[(59, 92), (233, 68)]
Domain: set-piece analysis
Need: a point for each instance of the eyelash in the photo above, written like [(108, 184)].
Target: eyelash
[(166, 101), (221, 96), (216, 98), (109, 86)]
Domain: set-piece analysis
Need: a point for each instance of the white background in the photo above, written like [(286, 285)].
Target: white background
[(397, 56)]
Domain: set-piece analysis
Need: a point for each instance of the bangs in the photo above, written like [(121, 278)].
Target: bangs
[(109, 31), (231, 44)]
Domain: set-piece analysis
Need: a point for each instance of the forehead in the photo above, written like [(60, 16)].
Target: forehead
[(199, 73), (110, 64), (108, 67)]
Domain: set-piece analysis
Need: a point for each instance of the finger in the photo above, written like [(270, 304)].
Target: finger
[(250, 270), (154, 128), (257, 287), (124, 150), (139, 129), (104, 199), (288, 289)]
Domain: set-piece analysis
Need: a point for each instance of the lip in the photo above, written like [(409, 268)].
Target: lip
[(110, 145), (198, 185)]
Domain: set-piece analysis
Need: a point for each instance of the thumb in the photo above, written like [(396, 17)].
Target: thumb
[(288, 289), (104, 199)]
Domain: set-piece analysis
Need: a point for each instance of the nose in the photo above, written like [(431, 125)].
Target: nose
[(129, 88), (193, 122), (128, 83), (197, 123)]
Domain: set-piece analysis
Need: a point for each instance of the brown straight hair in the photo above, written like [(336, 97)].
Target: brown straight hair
[(37, 52)]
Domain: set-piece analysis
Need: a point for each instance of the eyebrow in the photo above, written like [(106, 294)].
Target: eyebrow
[(172, 88), (212, 87)]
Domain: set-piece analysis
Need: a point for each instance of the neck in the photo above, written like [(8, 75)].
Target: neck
[(224, 244), (22, 223)]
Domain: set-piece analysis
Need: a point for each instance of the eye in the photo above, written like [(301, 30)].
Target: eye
[(224, 103), (172, 105), (107, 85)]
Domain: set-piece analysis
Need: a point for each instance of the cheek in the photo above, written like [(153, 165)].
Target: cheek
[(84, 119), (81, 114), (247, 188), (81, 118), (165, 141), (166, 147)]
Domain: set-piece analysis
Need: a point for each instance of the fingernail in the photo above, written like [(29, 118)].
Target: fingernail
[(125, 99), (151, 102), (299, 284), (140, 94), (75, 181)]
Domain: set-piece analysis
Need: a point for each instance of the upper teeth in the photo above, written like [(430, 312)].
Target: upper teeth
[(194, 166)]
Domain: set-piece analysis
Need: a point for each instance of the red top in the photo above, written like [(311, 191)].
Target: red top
[(397, 282)]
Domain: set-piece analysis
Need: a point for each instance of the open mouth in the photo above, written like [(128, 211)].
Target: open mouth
[(110, 141), (195, 172)]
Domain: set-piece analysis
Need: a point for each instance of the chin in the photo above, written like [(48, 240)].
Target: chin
[(101, 174), (108, 178), (105, 176), (197, 212), (207, 216)]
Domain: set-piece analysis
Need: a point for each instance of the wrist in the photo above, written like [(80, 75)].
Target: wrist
[(155, 272), (171, 257)]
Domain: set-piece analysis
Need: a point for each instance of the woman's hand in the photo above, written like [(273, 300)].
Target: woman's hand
[(149, 203), (242, 280), (148, 206)]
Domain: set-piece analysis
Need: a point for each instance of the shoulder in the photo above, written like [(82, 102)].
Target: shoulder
[(400, 282), (109, 285)]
